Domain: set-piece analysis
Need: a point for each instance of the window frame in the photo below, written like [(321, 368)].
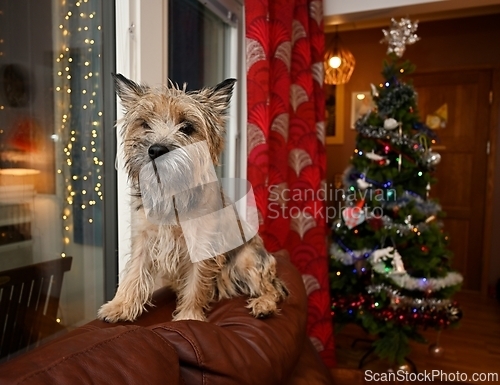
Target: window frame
[(142, 33)]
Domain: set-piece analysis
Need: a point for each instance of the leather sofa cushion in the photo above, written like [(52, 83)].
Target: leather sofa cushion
[(125, 355)]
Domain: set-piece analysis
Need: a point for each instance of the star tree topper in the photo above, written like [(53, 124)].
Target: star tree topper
[(400, 34)]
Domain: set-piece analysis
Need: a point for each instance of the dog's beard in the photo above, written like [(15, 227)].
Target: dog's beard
[(181, 188), (180, 185)]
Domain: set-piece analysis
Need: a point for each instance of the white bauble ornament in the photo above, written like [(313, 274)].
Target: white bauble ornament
[(390, 124)]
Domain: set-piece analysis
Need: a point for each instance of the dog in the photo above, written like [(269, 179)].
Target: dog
[(160, 121)]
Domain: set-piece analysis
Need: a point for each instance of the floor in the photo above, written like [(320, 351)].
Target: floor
[(473, 347)]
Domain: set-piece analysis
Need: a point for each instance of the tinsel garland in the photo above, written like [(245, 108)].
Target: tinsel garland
[(405, 228), (427, 207), (375, 132), (400, 278), (407, 282), (388, 223), (430, 313), (349, 257), (401, 301)]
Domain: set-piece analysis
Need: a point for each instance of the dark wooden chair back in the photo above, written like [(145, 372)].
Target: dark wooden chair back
[(29, 299)]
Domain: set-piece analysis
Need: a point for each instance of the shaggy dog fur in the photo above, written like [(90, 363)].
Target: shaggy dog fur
[(157, 121)]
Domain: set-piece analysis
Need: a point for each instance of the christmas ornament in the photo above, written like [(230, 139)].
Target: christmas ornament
[(354, 216), (380, 159), (374, 90), (380, 256), (435, 350), (375, 223), (423, 142), (430, 219), (390, 124), (376, 157), (431, 158), (362, 184), (400, 34)]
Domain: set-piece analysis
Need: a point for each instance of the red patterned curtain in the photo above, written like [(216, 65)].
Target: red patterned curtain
[(286, 150)]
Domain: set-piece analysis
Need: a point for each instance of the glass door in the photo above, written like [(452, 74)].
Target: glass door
[(54, 110)]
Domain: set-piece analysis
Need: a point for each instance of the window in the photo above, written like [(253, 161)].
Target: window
[(56, 106), (204, 48)]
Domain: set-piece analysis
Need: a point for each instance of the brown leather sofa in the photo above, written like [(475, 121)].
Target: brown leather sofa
[(232, 348)]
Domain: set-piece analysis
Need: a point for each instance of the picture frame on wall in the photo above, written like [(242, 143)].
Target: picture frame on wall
[(361, 104), (334, 114)]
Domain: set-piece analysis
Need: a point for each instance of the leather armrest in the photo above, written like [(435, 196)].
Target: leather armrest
[(234, 347), (126, 355)]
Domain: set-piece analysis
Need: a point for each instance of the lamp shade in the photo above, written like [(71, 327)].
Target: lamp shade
[(338, 63)]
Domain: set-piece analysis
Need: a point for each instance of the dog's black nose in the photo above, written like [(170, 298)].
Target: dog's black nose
[(157, 150)]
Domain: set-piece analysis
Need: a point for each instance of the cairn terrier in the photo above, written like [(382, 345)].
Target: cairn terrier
[(165, 121)]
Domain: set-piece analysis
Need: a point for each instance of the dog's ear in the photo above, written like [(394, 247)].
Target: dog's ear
[(219, 96), (127, 90)]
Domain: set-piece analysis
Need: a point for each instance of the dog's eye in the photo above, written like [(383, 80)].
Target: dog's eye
[(145, 125), (187, 128)]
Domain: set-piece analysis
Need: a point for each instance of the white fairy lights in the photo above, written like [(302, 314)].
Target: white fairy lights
[(79, 126)]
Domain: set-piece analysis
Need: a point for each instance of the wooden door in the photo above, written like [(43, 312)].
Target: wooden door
[(461, 174)]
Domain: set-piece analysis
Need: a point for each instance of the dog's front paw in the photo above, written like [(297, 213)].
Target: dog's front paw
[(189, 315), (262, 306), (115, 311)]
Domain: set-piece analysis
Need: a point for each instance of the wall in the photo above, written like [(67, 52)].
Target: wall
[(445, 45), (339, 7), (141, 56)]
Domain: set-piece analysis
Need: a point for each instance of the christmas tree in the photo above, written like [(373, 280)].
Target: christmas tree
[(390, 266)]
